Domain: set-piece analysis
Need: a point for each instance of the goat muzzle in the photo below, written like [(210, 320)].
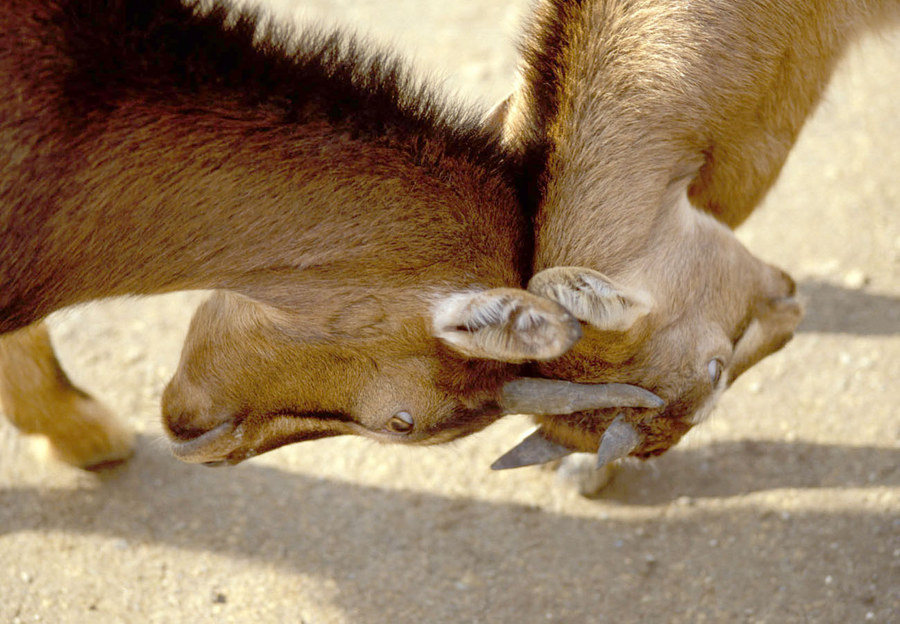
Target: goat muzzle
[(211, 448)]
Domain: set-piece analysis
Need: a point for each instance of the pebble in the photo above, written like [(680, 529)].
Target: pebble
[(855, 279)]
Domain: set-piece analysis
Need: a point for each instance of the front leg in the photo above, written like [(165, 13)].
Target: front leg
[(38, 398)]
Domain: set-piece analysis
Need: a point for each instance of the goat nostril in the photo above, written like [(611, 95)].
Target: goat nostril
[(188, 411), (790, 283), (183, 427)]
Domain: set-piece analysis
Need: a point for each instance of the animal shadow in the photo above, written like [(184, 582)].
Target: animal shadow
[(735, 468), (838, 310)]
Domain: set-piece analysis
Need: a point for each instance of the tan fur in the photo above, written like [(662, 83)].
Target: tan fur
[(652, 92), (38, 398), (627, 110)]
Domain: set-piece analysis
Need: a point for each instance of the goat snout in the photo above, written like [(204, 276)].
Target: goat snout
[(184, 426), (785, 286), (187, 411), (199, 432)]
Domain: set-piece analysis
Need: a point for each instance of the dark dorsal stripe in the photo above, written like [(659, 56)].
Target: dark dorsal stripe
[(151, 48)]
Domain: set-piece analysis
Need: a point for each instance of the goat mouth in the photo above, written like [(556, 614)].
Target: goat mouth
[(243, 437), (211, 448)]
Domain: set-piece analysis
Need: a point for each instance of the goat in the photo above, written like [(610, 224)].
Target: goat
[(644, 129), (365, 238)]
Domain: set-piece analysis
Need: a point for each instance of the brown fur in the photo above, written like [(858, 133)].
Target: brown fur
[(625, 112), (150, 146), (38, 398)]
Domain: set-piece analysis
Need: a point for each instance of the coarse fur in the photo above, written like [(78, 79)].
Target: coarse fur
[(335, 202)]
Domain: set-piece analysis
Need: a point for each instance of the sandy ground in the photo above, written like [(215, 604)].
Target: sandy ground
[(784, 507)]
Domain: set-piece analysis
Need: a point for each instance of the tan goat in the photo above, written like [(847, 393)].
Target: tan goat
[(631, 119), (368, 241)]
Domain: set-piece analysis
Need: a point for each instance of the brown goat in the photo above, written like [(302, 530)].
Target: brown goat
[(637, 120), (368, 241)]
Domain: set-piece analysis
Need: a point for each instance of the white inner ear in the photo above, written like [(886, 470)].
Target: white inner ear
[(505, 324), (496, 117), (592, 297), (454, 315)]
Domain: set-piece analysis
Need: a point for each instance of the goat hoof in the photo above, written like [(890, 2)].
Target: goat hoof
[(93, 439)]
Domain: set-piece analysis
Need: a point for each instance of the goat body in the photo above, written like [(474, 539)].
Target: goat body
[(365, 237), (645, 128)]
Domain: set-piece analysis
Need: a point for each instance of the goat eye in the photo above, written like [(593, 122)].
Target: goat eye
[(401, 422), (715, 368)]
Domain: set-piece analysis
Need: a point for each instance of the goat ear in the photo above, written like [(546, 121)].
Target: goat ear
[(771, 328), (592, 297), (506, 324), (495, 118)]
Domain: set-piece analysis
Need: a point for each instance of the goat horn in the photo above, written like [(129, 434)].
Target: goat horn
[(534, 449), (540, 397), (619, 439)]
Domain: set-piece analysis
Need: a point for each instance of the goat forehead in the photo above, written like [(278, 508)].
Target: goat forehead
[(717, 294), (714, 246), (704, 270)]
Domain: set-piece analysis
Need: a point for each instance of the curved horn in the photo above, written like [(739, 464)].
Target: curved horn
[(534, 449), (619, 439), (552, 396)]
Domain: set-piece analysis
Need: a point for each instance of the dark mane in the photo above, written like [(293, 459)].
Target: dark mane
[(154, 47), (543, 46)]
